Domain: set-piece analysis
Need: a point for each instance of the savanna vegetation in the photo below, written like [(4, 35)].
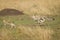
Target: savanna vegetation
[(25, 28)]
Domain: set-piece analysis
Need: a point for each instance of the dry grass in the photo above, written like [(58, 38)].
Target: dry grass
[(32, 6), (37, 33), (42, 7), (26, 33)]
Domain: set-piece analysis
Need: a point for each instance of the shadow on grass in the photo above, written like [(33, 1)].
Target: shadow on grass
[(10, 12)]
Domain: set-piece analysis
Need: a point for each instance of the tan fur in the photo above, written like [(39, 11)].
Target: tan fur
[(7, 23)]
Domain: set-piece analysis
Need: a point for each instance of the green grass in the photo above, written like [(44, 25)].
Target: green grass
[(24, 29), (17, 33), (55, 25), (24, 19)]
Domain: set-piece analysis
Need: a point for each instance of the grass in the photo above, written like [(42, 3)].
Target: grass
[(25, 32), (24, 19), (26, 28)]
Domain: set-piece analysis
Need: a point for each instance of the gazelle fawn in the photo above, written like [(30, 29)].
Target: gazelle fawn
[(8, 23)]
